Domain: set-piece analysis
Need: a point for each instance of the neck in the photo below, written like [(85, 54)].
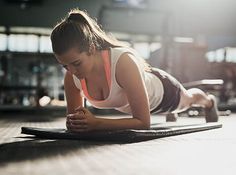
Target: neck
[(97, 67)]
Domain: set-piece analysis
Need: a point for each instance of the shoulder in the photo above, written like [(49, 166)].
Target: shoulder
[(124, 56), (118, 51), (126, 61)]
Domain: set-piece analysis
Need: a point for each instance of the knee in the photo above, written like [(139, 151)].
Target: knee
[(195, 91), (190, 100)]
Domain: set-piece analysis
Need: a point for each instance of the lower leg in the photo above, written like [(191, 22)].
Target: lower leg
[(208, 102), (199, 98)]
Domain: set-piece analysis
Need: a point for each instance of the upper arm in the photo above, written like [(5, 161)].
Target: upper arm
[(129, 78), (72, 93)]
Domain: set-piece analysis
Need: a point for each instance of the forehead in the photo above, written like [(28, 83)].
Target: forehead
[(69, 56)]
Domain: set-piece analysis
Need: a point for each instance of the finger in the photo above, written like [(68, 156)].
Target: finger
[(74, 127), (76, 116), (79, 109), (68, 126), (69, 116), (82, 110), (79, 122), (68, 123), (79, 130), (79, 127)]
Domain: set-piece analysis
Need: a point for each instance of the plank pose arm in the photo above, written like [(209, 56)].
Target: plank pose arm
[(80, 119)]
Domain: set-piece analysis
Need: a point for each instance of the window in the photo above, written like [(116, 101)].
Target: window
[(231, 54), (45, 44), (3, 42), (23, 43), (227, 54)]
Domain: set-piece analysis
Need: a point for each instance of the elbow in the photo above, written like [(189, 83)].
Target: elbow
[(146, 126), (142, 124)]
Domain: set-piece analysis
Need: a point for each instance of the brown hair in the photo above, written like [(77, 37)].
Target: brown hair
[(79, 30)]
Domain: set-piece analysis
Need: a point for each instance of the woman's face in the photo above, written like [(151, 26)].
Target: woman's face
[(77, 63)]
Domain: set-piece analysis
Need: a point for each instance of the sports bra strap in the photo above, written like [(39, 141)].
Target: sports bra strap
[(107, 67)]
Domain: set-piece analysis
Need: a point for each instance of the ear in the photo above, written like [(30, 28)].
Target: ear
[(92, 49)]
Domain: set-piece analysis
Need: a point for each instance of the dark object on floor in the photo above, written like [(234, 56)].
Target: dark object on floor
[(171, 117), (120, 135)]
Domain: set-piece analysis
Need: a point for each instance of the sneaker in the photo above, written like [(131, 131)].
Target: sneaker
[(212, 112)]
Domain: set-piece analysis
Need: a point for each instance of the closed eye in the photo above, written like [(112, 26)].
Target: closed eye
[(76, 64)]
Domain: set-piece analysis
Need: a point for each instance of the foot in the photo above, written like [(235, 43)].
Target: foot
[(212, 112), (171, 117)]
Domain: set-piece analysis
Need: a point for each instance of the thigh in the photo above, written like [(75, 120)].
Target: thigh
[(171, 97)]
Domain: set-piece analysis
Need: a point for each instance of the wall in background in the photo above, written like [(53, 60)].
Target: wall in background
[(212, 20)]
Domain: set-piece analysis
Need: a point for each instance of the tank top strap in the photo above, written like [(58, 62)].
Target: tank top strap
[(107, 66)]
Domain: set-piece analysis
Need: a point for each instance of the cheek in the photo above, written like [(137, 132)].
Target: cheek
[(88, 65), (83, 68)]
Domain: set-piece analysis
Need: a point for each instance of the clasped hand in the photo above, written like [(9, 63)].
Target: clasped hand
[(81, 121)]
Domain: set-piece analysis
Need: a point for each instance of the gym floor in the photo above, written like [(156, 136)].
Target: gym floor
[(208, 152)]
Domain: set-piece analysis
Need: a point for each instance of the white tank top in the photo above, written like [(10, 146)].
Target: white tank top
[(117, 98)]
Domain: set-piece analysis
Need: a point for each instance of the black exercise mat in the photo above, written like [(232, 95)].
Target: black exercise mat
[(128, 135)]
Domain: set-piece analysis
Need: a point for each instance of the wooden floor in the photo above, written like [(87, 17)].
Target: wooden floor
[(208, 152)]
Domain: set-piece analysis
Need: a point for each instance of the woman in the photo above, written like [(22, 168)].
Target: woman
[(111, 75)]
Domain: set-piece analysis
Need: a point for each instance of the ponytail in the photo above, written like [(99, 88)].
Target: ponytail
[(79, 30)]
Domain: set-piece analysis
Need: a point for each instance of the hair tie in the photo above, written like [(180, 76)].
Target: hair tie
[(75, 17)]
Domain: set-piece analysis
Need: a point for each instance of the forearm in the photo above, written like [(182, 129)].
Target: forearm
[(83, 120), (123, 123)]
